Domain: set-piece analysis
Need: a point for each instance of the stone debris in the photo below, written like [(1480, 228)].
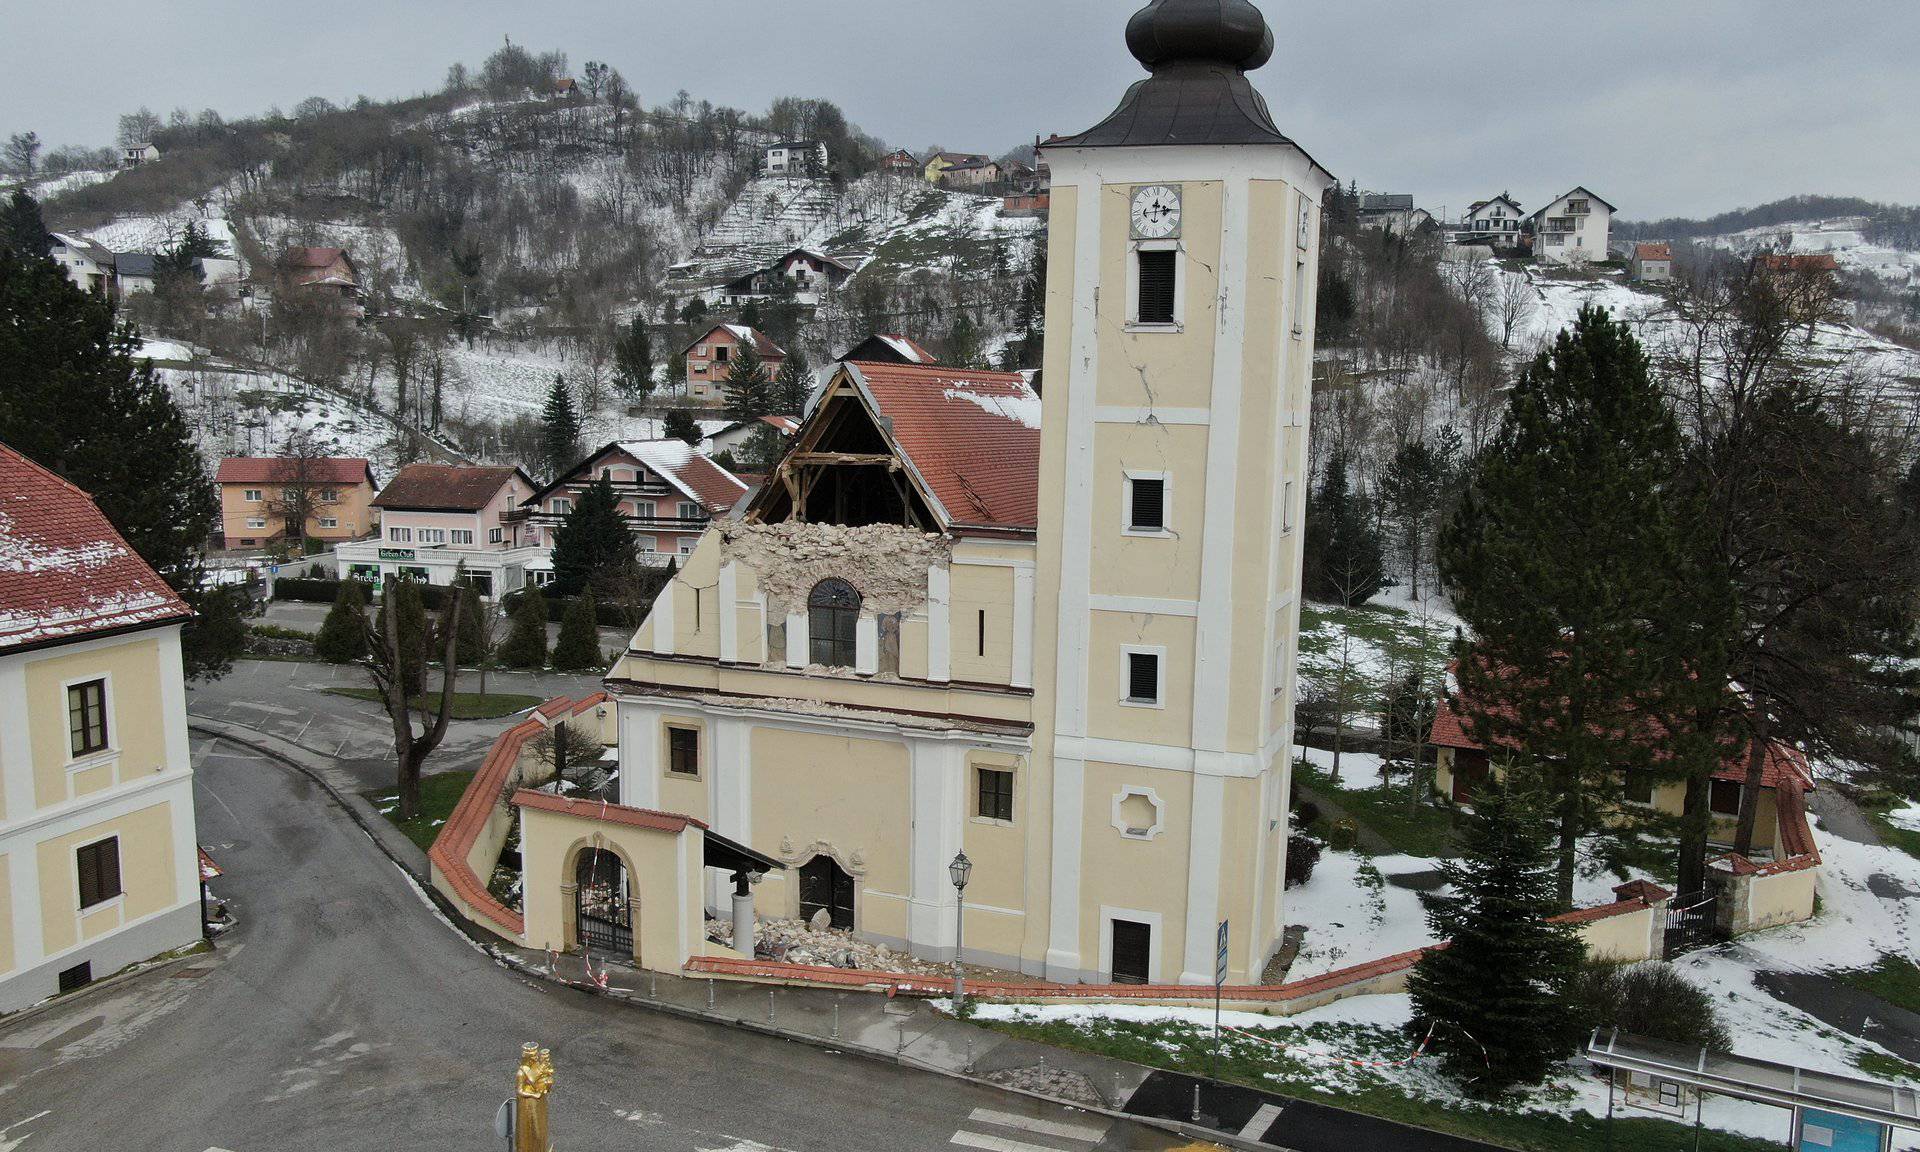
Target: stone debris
[(1058, 1083), (886, 563), (797, 942)]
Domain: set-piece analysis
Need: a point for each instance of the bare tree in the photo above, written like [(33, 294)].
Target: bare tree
[(386, 667), (572, 755), (23, 153), (1514, 303), (300, 493), (137, 127)]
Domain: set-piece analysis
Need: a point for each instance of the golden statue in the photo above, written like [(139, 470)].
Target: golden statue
[(531, 1085)]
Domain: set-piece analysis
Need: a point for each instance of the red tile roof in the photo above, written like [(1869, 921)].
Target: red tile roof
[(1799, 261), (444, 487), (64, 571), (685, 468), (973, 436), (1782, 761), (767, 348), (610, 813), (311, 257), (275, 470), (1652, 252)]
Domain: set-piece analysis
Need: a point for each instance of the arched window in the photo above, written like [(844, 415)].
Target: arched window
[(833, 609)]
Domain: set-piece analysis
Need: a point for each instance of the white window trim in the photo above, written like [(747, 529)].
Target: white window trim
[(1120, 824), (114, 901), (101, 755), (646, 543), (993, 821), (455, 534), (496, 535), (256, 522), (690, 510), (1159, 652), (399, 535), (1108, 915), (560, 505), (1165, 531), (250, 495), (687, 546), (329, 522), (645, 510), (1133, 286)]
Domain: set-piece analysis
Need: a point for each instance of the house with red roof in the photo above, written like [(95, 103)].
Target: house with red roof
[(669, 492), (97, 852), (265, 500), (710, 358), (1651, 263), (319, 271)]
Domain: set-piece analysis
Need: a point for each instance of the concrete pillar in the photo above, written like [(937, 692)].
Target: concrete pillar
[(743, 919)]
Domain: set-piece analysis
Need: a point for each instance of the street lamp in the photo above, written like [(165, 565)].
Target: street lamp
[(959, 870)]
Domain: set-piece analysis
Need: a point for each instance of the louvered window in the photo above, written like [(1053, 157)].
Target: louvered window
[(99, 871), (1147, 510), (1143, 677), (1156, 286)]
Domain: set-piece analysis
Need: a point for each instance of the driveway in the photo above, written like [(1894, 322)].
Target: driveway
[(342, 1013)]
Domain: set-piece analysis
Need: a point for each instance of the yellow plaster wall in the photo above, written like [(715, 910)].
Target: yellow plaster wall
[(1784, 898), (6, 914), (1628, 936), (550, 847), (685, 794), (146, 877), (972, 589), (913, 647), (136, 729), (1149, 875), (848, 792), (1106, 715), (696, 600), (1177, 370), (1166, 567)]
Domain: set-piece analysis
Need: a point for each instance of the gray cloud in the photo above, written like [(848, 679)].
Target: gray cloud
[(1661, 107)]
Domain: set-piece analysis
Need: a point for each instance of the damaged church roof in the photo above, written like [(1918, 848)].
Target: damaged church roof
[(64, 571), (973, 436)]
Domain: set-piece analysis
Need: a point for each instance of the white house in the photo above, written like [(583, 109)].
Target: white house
[(1574, 228), (1652, 263), (88, 265), (1494, 222), (796, 158), (134, 155)]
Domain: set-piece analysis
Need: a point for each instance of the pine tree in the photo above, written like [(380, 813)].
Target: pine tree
[(633, 356), (1343, 548), (680, 425), (526, 643), (74, 399), (1589, 610), (1495, 995), (592, 542), (406, 600), (1413, 487), (343, 635), (560, 436), (792, 387), (748, 389), (578, 647), (963, 342), (676, 375)]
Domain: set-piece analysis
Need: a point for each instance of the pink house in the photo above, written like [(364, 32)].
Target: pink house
[(440, 523), (668, 493)]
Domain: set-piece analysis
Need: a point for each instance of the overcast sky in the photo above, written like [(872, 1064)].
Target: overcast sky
[(1661, 107)]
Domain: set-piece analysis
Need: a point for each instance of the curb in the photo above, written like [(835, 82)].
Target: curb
[(490, 946), (102, 985)]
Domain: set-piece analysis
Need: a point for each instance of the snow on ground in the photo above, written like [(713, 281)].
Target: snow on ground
[(1377, 643), (1907, 817), (1353, 915), (157, 233), (240, 413), (46, 190), (164, 350)]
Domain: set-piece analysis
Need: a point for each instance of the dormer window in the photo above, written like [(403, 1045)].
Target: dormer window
[(833, 614)]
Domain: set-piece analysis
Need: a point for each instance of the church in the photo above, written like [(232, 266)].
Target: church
[(1054, 634)]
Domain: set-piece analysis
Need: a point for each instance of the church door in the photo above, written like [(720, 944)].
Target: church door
[(824, 884)]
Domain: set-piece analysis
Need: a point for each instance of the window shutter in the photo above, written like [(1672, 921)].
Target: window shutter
[(109, 868), (1149, 504), (89, 877), (1156, 286), (1143, 676)]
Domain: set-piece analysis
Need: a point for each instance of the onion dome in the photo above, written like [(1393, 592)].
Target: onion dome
[(1230, 32)]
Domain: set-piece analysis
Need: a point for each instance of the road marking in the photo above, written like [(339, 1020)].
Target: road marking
[(1085, 1133), (968, 1139), (1262, 1120)]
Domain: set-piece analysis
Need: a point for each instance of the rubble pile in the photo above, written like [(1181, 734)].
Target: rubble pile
[(797, 942)]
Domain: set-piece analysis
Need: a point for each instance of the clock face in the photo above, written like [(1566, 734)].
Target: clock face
[(1156, 212)]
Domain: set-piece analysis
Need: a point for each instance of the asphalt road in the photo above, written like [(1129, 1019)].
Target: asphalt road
[(342, 1013)]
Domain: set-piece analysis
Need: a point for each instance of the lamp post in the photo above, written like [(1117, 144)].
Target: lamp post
[(959, 870)]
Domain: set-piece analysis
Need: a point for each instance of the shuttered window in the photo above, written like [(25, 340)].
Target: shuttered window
[(1156, 286), (1143, 677), (87, 717), (1146, 510), (99, 871)]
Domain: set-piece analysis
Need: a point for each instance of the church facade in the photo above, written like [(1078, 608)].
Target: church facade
[(1056, 634)]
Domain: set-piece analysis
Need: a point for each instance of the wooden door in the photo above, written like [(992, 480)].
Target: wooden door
[(1132, 952)]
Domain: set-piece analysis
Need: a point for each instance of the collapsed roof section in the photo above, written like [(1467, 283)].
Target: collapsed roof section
[(948, 450)]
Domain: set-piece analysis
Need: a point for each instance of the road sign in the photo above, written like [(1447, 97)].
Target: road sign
[(1220, 956)]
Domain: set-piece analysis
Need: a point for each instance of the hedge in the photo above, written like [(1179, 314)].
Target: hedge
[(605, 615), (312, 589)]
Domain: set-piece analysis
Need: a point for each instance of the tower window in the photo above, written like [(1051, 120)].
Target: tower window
[(833, 614), (1156, 272), (1143, 669), (995, 794), (1146, 503)]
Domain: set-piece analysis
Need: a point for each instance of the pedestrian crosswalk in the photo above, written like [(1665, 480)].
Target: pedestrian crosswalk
[(1262, 1120), (995, 1131)]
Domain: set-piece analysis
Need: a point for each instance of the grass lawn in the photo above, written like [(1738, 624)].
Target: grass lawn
[(466, 705), (1876, 805), (438, 794), (1390, 641), (1424, 831), (1895, 979), (1184, 1048)]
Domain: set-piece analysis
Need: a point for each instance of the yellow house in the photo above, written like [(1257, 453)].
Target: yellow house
[(98, 862), (1057, 635), (938, 163)]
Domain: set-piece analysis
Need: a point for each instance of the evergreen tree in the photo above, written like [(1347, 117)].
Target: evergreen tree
[(695, 312), (1343, 547), (74, 399), (792, 386), (1591, 612), (676, 375), (592, 542), (749, 389), (406, 600), (1495, 996), (343, 635), (680, 425), (526, 643), (578, 648), (633, 357), (560, 435), (1414, 485), (963, 342)]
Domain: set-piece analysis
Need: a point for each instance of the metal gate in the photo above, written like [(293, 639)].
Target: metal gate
[(603, 916), (1692, 921)]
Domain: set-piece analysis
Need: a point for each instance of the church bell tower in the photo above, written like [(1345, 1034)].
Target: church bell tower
[(1179, 349)]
